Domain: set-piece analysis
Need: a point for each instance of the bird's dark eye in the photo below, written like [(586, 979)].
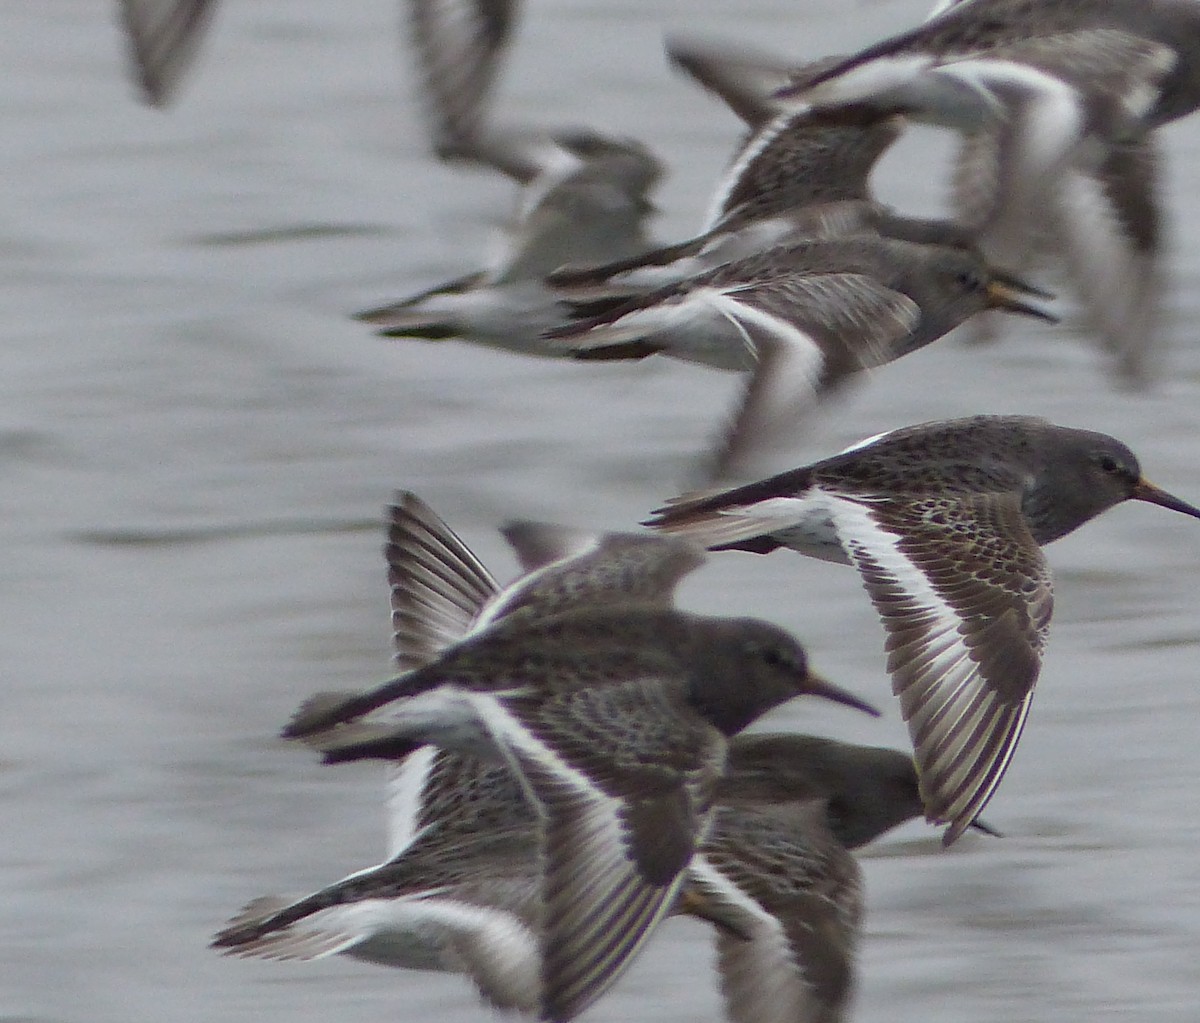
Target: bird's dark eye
[(1109, 464), (969, 280), (780, 658), (774, 657)]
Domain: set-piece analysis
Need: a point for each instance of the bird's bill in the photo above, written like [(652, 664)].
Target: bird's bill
[(817, 686), (1147, 491), (1019, 284), (1007, 292)]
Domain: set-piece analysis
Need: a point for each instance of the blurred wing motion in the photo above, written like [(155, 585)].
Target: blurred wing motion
[(163, 38), (459, 46)]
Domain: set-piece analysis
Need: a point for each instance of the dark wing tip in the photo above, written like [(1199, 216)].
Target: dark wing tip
[(639, 349), (318, 713), (249, 924)]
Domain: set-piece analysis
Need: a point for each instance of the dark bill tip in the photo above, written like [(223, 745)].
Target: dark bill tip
[(817, 686), (1148, 492)]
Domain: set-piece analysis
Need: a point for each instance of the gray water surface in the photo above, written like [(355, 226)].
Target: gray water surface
[(196, 445)]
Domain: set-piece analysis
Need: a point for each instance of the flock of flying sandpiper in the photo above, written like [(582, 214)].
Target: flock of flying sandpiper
[(566, 757)]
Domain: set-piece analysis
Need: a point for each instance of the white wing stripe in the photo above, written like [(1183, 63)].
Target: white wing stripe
[(765, 136), (934, 707), (761, 980), (405, 784)]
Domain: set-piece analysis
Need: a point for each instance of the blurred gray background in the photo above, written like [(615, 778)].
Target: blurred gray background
[(196, 445)]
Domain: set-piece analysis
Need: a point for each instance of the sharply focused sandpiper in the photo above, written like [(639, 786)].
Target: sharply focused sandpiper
[(441, 593), (944, 522), (772, 875), (616, 720), (459, 890)]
